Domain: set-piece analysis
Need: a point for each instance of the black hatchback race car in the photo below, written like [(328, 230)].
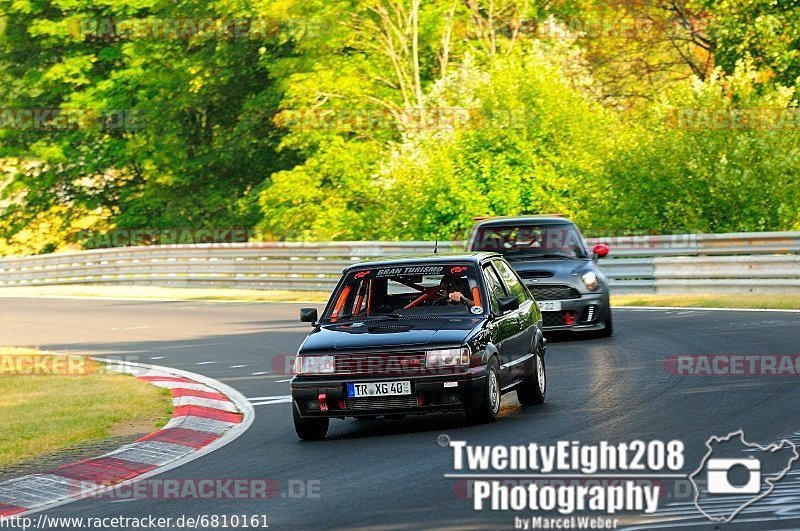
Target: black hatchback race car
[(551, 256), (415, 336)]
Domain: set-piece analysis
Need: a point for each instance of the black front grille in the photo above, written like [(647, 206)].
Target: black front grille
[(389, 329), (553, 293), (385, 402), (553, 318), (535, 274), (406, 364)]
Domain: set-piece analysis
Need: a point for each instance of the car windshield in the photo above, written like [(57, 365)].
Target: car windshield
[(407, 291), (519, 242)]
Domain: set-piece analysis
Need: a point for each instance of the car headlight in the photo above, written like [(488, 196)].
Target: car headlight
[(590, 279), (314, 365), (448, 357)]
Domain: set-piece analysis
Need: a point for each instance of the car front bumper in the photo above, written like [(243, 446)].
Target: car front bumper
[(428, 395), (589, 312)]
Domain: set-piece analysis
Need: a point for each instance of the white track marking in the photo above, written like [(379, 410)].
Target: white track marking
[(204, 402), (258, 398), (269, 400), (182, 385), (276, 400), (259, 373), (191, 422), (286, 380), (671, 308), (237, 366), (205, 362)]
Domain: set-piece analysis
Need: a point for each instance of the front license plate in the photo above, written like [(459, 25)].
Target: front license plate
[(550, 306), (355, 390)]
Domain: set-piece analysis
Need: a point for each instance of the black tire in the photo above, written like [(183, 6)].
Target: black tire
[(489, 408), (533, 389), (309, 429), (608, 331)]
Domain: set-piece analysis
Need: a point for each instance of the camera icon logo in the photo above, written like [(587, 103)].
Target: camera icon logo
[(719, 480), (741, 471)]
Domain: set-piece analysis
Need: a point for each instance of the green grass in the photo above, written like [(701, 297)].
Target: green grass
[(771, 302), (155, 292), (50, 403)]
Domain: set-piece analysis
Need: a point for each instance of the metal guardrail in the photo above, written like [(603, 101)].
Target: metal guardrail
[(747, 262), (728, 274)]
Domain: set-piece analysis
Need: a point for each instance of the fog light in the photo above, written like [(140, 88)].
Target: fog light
[(569, 318), (312, 404), (450, 399)]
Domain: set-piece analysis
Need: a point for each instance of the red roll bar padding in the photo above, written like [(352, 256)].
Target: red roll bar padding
[(360, 300), (425, 296), (337, 309), (476, 297)]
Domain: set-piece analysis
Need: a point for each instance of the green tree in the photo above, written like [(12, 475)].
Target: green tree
[(184, 137), (719, 156)]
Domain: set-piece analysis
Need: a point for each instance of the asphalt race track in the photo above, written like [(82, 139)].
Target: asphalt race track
[(391, 474)]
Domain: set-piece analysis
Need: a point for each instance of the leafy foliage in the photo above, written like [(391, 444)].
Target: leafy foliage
[(362, 119)]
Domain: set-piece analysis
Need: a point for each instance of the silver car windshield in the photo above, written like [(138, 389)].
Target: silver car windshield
[(531, 241)]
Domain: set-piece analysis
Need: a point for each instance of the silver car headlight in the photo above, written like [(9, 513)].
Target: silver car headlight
[(314, 365), (449, 357), (591, 280)]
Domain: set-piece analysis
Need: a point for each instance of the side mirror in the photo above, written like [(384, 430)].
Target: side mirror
[(601, 250), (508, 304), (308, 315)]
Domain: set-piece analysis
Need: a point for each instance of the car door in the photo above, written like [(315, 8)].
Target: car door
[(505, 325), (518, 344)]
